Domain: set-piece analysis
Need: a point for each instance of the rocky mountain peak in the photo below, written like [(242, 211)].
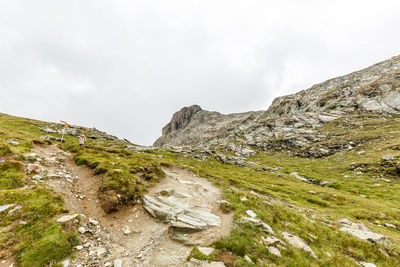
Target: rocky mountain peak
[(293, 119), (371, 89), (178, 122)]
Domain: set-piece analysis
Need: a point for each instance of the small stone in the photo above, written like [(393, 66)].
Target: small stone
[(390, 225), (126, 230), (5, 207), (107, 264), (247, 258), (272, 240), (388, 158), (267, 203), (118, 263), (66, 218), (17, 208), (13, 142), (251, 213), (312, 192), (33, 168), (101, 252), (82, 230), (367, 264), (243, 199), (206, 250), (93, 221), (274, 251), (65, 263), (298, 243)]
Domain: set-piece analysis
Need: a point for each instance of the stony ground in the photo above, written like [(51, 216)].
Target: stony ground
[(130, 235)]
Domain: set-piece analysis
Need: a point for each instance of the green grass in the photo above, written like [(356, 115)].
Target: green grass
[(306, 210), (30, 232), (11, 175)]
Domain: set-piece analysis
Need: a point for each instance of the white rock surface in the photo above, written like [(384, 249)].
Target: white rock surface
[(118, 263), (65, 263), (259, 222), (367, 264), (251, 213), (67, 218), (101, 252), (298, 243), (274, 251), (5, 207), (170, 209), (360, 230), (206, 250)]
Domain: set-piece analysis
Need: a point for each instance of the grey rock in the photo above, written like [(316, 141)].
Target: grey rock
[(126, 230), (272, 240), (367, 264), (247, 258), (274, 251), (360, 230), (6, 207), (251, 213), (259, 223), (94, 221), (206, 250), (67, 218), (170, 209), (389, 158), (118, 263), (15, 209), (298, 243), (47, 129), (66, 262), (51, 138), (390, 225), (291, 122), (101, 252), (12, 142)]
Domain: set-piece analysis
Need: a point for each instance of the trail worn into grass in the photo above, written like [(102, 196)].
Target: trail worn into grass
[(131, 234)]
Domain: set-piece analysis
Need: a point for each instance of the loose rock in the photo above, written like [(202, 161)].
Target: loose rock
[(298, 243)]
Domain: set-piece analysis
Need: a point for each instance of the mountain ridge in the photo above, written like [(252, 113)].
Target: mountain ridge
[(373, 89)]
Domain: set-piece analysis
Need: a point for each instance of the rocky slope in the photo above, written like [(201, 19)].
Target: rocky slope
[(136, 206), (291, 121)]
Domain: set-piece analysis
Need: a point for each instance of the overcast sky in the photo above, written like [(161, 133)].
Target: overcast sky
[(125, 66)]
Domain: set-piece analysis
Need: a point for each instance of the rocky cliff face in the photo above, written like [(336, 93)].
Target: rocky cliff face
[(373, 89), (291, 121)]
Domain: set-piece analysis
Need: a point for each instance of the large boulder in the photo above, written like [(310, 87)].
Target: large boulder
[(171, 210)]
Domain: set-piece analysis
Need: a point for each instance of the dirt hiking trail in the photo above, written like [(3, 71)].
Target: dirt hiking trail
[(131, 235)]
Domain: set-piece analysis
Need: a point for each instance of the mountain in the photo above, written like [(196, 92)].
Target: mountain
[(291, 121), (312, 181)]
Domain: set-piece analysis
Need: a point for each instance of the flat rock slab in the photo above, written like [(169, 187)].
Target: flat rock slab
[(297, 242), (171, 209), (5, 207), (360, 230)]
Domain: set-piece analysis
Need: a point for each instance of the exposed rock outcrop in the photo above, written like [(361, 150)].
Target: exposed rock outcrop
[(291, 121)]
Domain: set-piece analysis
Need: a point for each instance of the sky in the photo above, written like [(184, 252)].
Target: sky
[(125, 66)]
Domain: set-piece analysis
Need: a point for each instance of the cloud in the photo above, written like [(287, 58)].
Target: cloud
[(126, 66)]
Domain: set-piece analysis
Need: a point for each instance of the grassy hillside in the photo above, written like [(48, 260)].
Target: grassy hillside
[(363, 176)]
